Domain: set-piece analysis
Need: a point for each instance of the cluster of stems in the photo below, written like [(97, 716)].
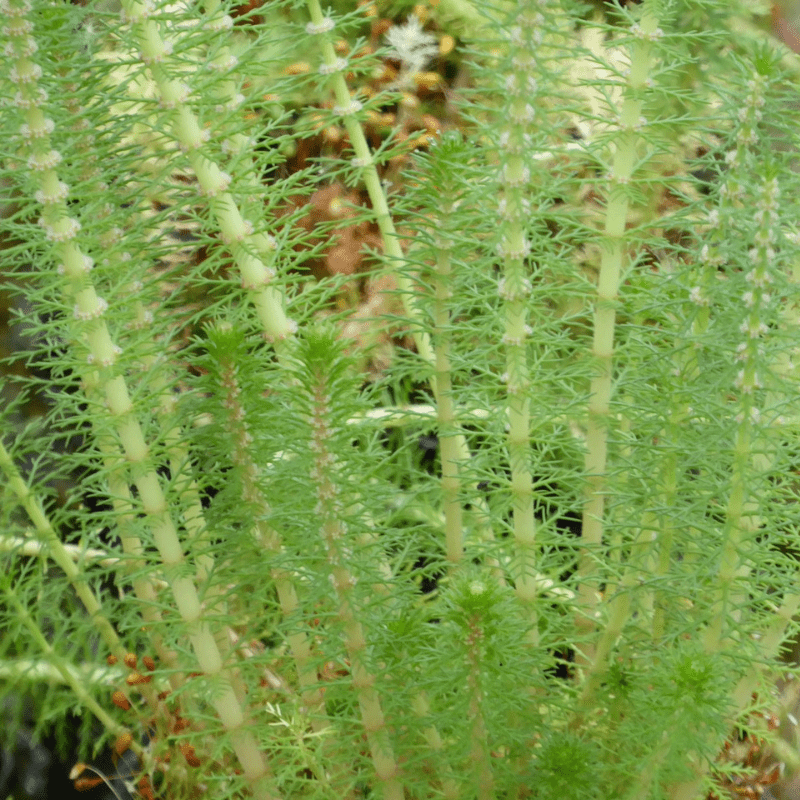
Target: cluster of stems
[(604, 350)]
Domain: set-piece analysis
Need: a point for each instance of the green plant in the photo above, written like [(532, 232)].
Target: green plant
[(585, 289)]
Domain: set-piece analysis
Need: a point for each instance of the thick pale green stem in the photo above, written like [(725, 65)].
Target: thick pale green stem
[(184, 591), (61, 230), (103, 353), (252, 252), (613, 256)]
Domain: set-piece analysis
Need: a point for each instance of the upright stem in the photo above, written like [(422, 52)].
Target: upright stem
[(225, 347), (742, 515), (445, 407), (335, 536), (103, 353), (348, 107), (517, 130), (480, 755), (614, 251)]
